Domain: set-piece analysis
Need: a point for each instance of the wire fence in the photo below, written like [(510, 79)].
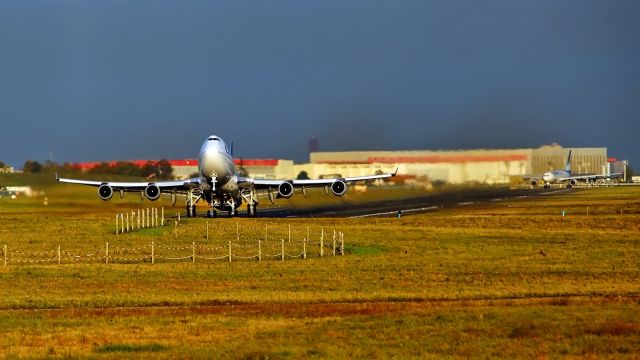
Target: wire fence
[(193, 241), (157, 252)]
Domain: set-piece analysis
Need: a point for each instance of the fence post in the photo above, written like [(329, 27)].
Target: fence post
[(157, 217), (58, 254), (153, 252), (341, 243), (148, 223), (178, 216), (322, 243), (127, 221), (259, 250), (106, 254), (143, 221), (229, 250), (5, 255), (162, 216), (175, 229), (138, 217), (282, 249), (333, 248), (133, 224), (193, 252), (117, 228), (122, 223), (304, 248)]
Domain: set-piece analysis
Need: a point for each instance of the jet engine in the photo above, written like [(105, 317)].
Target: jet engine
[(152, 192), (285, 190), (105, 192), (534, 183), (338, 188), (572, 182)]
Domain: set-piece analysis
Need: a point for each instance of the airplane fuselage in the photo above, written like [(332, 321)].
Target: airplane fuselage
[(217, 168), (554, 176)]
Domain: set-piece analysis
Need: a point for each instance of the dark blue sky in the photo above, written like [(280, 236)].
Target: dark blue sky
[(102, 80)]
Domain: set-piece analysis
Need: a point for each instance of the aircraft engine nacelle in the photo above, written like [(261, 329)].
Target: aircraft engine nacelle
[(534, 183), (105, 192), (152, 192), (285, 190), (338, 188), (572, 182)]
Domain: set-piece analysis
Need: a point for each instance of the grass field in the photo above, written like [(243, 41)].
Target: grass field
[(508, 279)]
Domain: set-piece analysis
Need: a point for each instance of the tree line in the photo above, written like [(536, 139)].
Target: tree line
[(161, 169)]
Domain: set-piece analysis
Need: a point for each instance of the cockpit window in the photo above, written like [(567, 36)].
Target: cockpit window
[(213, 138)]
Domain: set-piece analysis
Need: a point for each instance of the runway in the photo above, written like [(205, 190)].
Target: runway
[(415, 205)]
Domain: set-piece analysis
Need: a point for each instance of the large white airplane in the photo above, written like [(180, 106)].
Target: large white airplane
[(569, 179), (219, 184)]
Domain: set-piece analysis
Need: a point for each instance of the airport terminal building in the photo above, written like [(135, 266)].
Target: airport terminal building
[(488, 166)]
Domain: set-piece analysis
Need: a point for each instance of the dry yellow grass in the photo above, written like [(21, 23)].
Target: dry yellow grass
[(506, 279)]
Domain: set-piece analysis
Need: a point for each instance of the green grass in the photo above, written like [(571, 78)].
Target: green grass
[(510, 279)]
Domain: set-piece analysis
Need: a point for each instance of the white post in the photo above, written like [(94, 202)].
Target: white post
[(178, 216), (333, 247), (229, 250), (282, 249), (138, 217), (175, 229), (341, 243), (304, 248), (122, 223), (162, 216), (153, 252), (259, 250), (5, 255), (106, 253), (117, 228), (127, 221), (143, 221), (193, 252), (148, 222), (58, 254), (322, 242), (156, 217)]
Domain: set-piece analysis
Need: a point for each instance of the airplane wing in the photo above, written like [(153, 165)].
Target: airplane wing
[(107, 188), (286, 188), (590, 177)]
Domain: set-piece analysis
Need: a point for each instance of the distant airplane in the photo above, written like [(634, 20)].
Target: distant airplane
[(566, 177), (220, 185)]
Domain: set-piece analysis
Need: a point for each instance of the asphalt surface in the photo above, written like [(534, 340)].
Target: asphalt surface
[(390, 208)]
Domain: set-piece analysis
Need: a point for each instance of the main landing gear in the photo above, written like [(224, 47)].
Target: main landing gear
[(191, 203)]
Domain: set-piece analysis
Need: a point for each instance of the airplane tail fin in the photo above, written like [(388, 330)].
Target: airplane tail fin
[(568, 166), (231, 150)]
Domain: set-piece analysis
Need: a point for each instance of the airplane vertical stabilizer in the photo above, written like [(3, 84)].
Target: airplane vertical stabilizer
[(568, 166)]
